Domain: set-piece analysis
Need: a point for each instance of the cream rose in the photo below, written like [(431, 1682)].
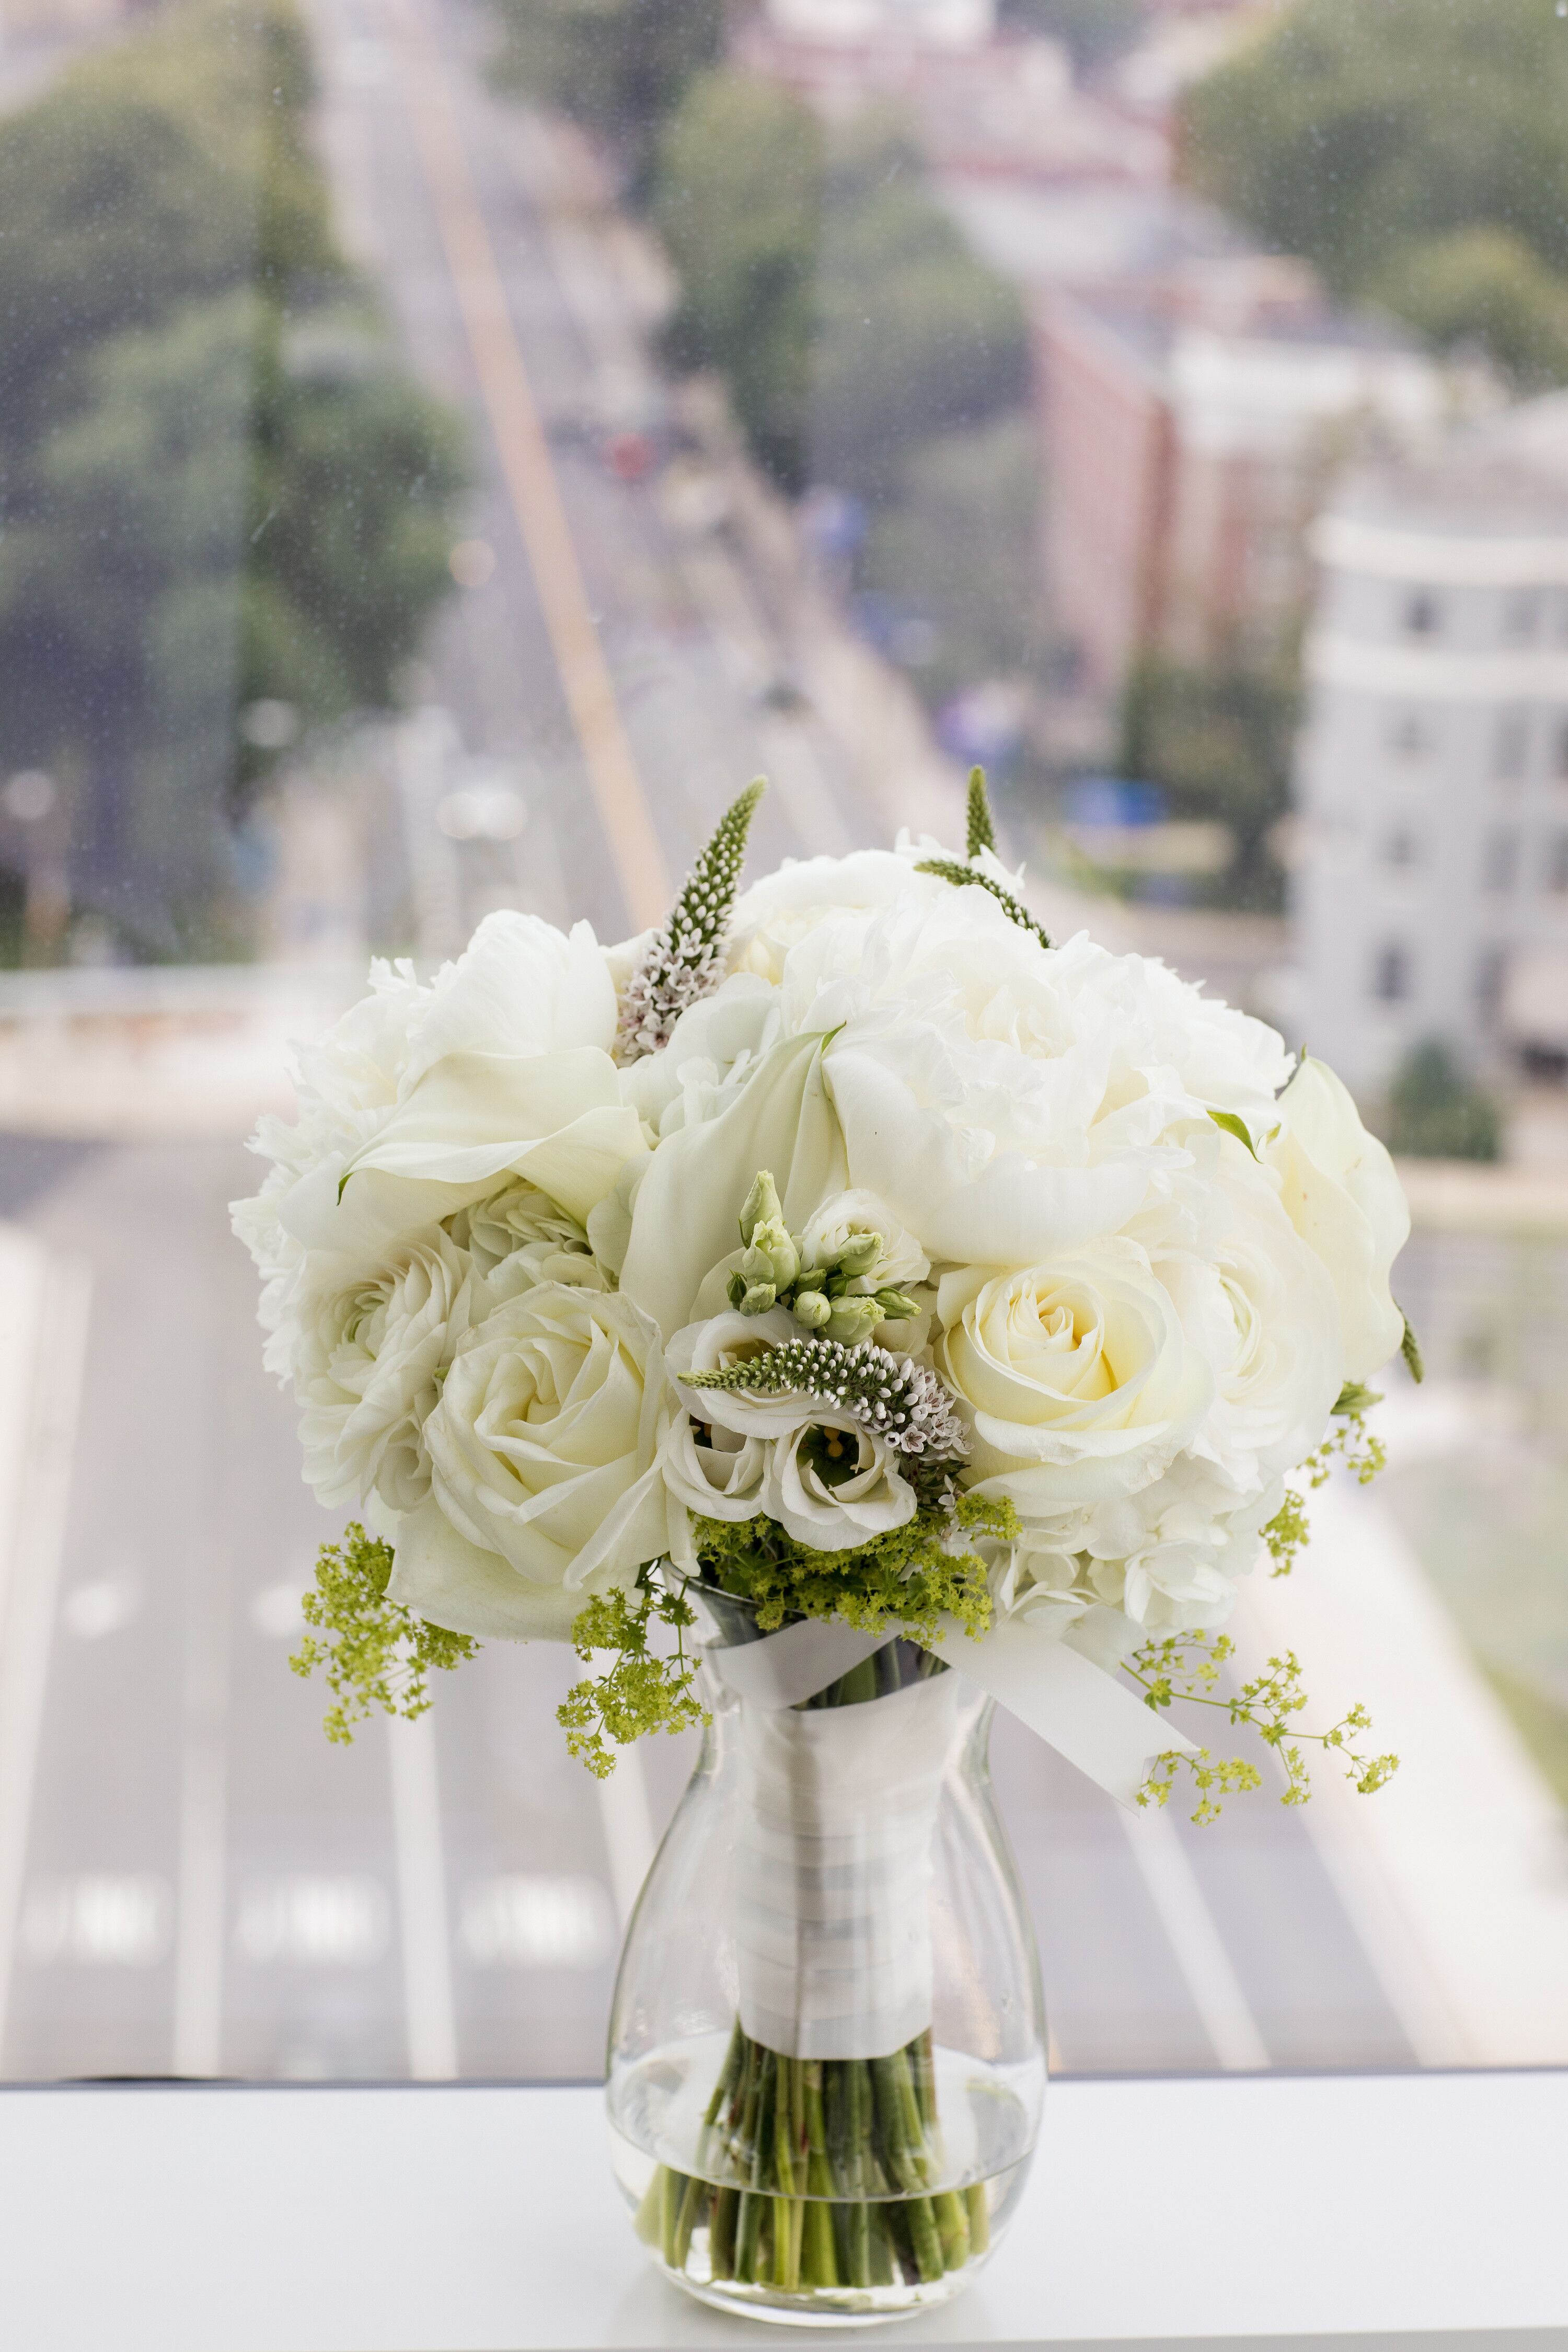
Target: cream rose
[(519, 1236), (1079, 1378), (543, 1454), (1339, 1191), (367, 1370)]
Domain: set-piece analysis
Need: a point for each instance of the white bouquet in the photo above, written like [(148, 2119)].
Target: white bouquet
[(843, 1248)]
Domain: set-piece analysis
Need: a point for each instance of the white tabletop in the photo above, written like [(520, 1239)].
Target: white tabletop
[(469, 2219)]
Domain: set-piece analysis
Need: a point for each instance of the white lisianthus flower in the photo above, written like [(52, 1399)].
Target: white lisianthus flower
[(824, 1479), (367, 1373), (1341, 1195), (1076, 1375), (544, 1453), (712, 1465), (828, 1232), (832, 1484)]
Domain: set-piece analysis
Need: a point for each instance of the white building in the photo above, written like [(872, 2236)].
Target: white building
[(1432, 865), (928, 23)]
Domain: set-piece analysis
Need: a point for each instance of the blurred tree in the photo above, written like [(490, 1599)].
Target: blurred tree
[(915, 335), (1359, 136), (738, 199), (618, 66), (960, 548), (1092, 29), (1435, 1111), (217, 486), (1218, 740), (223, 522), (1485, 287), (849, 317)]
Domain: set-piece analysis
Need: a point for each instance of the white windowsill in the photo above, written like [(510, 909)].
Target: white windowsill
[(458, 2219)]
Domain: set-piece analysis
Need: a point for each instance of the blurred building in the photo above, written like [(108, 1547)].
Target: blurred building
[(1192, 419), (1432, 877)]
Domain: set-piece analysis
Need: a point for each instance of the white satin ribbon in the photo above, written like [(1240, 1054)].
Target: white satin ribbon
[(1064, 1697)]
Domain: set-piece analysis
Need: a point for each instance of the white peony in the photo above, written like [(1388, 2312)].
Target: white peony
[(1077, 1373), (1341, 1195), (544, 1453), (367, 1371), (1006, 1101)]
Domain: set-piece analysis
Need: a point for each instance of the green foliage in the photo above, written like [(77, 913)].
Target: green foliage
[(1351, 1442), (905, 1579), (1218, 740), (963, 877), (1229, 1120), (219, 486), (639, 1692), (1435, 1111), (737, 195), (1376, 140), (1485, 287), (1410, 1349), (618, 66), (1092, 29), (915, 336), (980, 832), (1189, 1666), (959, 547), (376, 1654)]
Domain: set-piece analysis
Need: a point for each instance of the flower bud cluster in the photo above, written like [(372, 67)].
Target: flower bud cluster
[(893, 1396), (822, 1298)]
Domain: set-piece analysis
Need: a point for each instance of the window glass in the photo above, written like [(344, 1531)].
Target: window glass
[(446, 448)]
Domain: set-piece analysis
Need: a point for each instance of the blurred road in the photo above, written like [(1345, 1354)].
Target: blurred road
[(611, 661), (190, 1880)]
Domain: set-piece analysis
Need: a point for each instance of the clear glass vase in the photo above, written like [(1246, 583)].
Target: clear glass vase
[(826, 2058)]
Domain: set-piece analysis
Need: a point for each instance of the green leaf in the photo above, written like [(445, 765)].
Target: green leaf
[(963, 876), (1354, 1398), (1233, 1126), (982, 830), (1410, 1349)]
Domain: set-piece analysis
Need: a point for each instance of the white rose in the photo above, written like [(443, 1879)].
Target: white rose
[(544, 1453), (1257, 1304), (1340, 1193), (1078, 1377), (367, 1373), (519, 1236)]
